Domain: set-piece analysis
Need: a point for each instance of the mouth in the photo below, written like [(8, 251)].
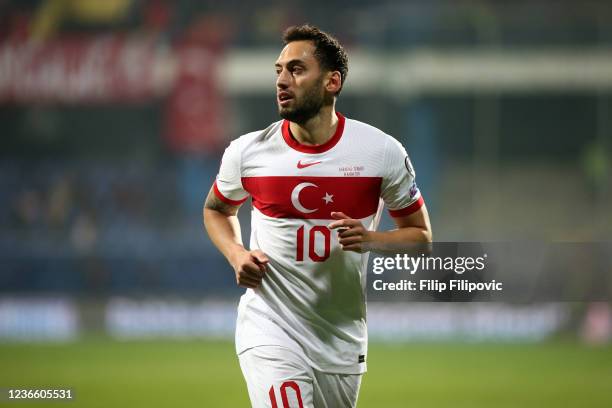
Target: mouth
[(284, 98)]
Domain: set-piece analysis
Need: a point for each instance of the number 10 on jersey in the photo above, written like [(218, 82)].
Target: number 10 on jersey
[(315, 254)]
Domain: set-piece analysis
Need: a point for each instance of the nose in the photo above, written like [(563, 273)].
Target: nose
[(282, 81)]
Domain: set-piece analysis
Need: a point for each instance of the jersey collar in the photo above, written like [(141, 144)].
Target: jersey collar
[(294, 144)]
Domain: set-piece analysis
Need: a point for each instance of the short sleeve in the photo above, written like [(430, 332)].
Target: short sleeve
[(399, 189), (228, 184)]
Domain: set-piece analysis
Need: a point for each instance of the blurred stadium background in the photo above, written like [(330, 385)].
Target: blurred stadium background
[(114, 115)]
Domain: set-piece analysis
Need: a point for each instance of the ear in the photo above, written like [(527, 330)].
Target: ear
[(334, 82)]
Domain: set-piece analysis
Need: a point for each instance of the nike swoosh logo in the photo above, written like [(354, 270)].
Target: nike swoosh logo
[(301, 165)]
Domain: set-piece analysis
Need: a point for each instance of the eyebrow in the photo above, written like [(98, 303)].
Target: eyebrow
[(291, 63)]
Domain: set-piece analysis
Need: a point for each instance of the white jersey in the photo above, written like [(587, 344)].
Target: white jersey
[(312, 298)]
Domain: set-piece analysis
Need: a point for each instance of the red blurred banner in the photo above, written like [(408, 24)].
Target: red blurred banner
[(114, 68), (122, 70)]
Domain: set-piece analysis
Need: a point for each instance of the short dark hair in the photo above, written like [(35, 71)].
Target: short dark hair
[(328, 51)]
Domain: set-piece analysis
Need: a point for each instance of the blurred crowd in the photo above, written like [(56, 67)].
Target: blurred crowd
[(98, 228), (77, 203), (388, 23)]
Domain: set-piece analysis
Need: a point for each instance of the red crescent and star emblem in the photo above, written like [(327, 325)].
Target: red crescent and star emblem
[(295, 198)]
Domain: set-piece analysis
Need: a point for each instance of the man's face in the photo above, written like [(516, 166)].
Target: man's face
[(300, 88)]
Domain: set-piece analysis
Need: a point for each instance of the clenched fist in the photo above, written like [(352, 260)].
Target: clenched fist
[(352, 235), (250, 268)]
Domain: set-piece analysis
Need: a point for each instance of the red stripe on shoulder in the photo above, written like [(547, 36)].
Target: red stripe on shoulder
[(226, 200), (412, 208)]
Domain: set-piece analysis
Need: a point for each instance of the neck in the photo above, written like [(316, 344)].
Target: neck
[(318, 129)]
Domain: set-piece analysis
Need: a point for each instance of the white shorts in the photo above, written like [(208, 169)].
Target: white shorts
[(277, 377)]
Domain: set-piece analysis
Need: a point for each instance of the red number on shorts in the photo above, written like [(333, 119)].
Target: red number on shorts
[(283, 389), (299, 254), (272, 397)]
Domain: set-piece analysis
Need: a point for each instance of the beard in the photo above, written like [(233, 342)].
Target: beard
[(308, 106)]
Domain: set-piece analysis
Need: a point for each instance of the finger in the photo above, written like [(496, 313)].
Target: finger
[(343, 223), (349, 232), (259, 256), (248, 283), (254, 270), (336, 224), (245, 279), (339, 215), (263, 269), (249, 277), (350, 241)]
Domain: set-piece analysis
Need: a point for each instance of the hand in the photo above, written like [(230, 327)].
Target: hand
[(352, 235), (250, 268)]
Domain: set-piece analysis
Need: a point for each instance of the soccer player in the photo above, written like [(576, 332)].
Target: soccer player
[(318, 182)]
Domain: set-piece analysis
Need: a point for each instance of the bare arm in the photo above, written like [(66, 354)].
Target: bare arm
[(412, 232), (221, 223), (414, 228)]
